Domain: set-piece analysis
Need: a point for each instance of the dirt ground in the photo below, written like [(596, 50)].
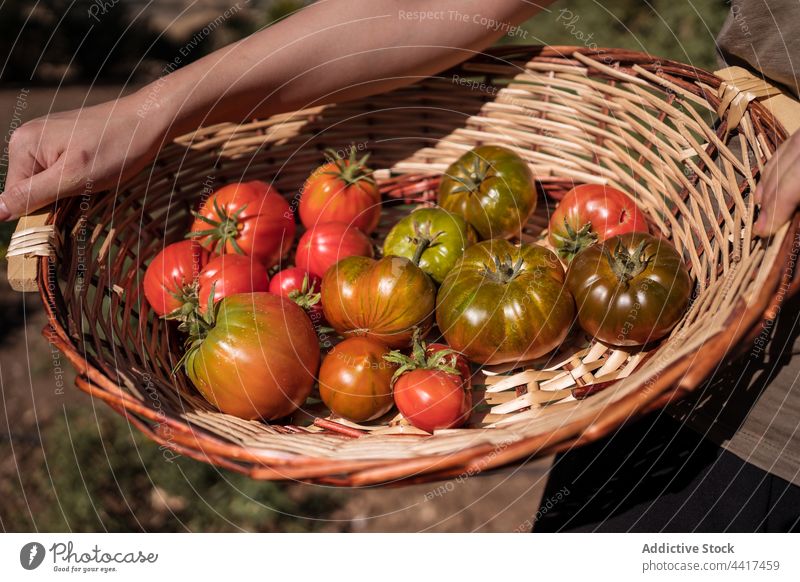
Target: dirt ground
[(36, 388)]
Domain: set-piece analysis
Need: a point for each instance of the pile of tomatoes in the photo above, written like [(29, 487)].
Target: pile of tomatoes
[(256, 334)]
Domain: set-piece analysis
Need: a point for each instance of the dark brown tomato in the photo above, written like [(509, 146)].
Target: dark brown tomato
[(630, 290)]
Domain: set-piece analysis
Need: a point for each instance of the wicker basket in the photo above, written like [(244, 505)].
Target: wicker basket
[(665, 132)]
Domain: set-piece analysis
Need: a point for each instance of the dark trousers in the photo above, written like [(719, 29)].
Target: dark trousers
[(657, 475)]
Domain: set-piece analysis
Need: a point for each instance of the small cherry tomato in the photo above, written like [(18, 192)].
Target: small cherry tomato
[(301, 287), (326, 244), (432, 386), (291, 279), (228, 275), (432, 400)]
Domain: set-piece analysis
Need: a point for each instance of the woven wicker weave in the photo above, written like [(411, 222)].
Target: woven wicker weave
[(651, 128)]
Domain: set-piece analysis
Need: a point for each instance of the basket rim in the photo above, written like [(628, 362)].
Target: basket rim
[(673, 383)]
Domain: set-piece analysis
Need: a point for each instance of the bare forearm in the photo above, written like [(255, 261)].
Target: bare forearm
[(334, 50)]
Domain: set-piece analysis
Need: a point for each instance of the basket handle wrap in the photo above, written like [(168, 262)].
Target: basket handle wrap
[(32, 240)]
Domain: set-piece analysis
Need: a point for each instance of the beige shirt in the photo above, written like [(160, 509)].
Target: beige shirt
[(752, 407)]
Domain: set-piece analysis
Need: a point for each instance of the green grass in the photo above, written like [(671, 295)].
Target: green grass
[(683, 30), (100, 474)]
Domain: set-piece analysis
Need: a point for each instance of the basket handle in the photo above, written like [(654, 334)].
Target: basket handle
[(32, 240), (739, 87)]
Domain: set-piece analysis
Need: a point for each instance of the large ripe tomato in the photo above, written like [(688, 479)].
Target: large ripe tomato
[(433, 238), (384, 300), (492, 188), (169, 282), (505, 303), (248, 218), (630, 290), (326, 244), (342, 190), (355, 381), (258, 358), (592, 213), (432, 386), (228, 275), (301, 287)]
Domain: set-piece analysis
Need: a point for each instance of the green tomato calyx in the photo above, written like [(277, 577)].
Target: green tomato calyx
[(189, 310), (197, 327), (471, 182), (351, 171), (505, 269), (222, 231), (305, 297), (575, 240), (419, 359), (627, 265)]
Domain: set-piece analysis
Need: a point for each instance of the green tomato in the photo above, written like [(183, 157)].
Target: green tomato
[(437, 236), (505, 303), (492, 188)]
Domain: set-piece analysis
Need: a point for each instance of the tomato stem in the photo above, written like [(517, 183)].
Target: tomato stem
[(222, 231), (424, 239), (575, 240), (419, 359), (627, 265), (471, 182), (351, 170), (305, 297), (505, 269)]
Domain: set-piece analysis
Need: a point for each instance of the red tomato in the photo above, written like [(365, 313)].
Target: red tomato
[(355, 381), (462, 365), (303, 288), (432, 399), (169, 279), (248, 218), (291, 279), (326, 244), (432, 386), (258, 358), (229, 275), (592, 213), (342, 191)]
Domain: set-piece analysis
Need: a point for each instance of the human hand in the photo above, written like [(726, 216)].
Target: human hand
[(778, 192), (69, 153)]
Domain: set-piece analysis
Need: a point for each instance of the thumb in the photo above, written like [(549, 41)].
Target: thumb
[(25, 196)]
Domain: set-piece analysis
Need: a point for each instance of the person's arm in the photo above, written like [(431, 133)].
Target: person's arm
[(778, 191), (332, 51)]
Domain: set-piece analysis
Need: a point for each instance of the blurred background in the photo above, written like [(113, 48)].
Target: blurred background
[(67, 463)]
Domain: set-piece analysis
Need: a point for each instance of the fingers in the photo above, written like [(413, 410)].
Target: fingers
[(778, 192), (29, 194)]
